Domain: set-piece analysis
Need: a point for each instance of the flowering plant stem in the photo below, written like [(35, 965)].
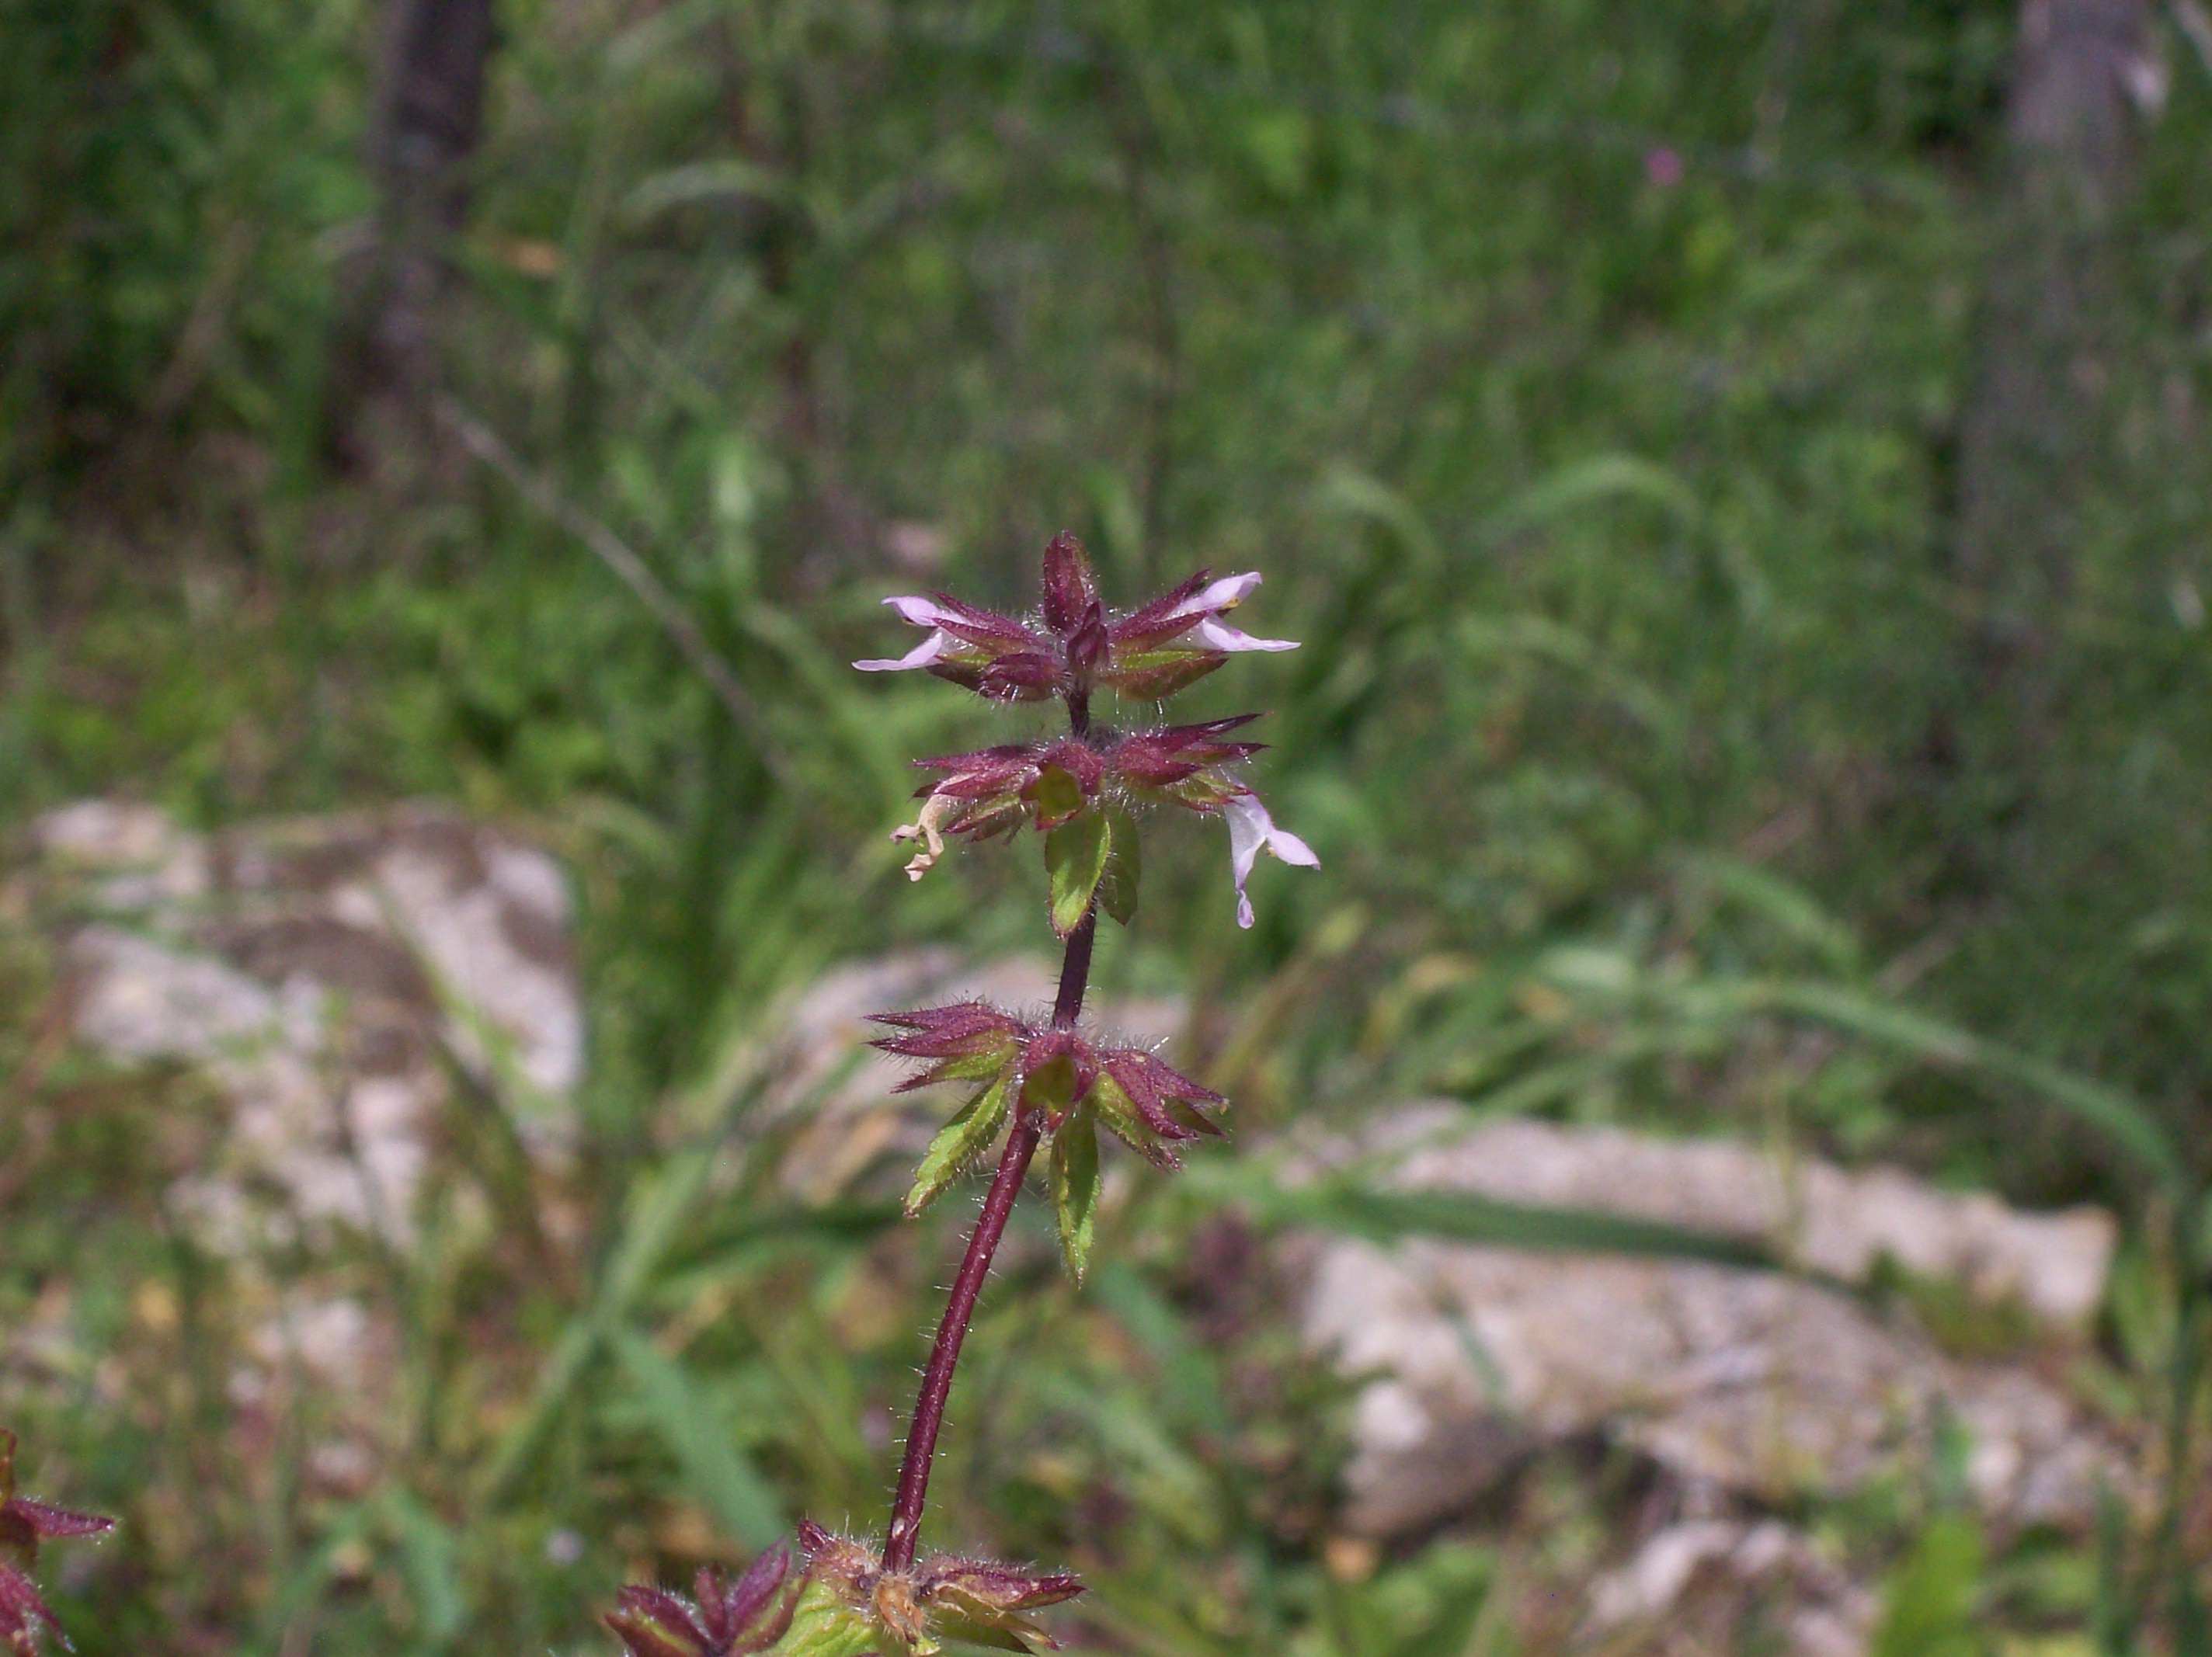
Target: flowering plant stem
[(982, 1244), (1034, 1082)]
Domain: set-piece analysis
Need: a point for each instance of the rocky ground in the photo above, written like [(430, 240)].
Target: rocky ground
[(354, 992)]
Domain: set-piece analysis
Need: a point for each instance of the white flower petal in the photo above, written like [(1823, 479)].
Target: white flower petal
[(1293, 850), (1227, 593), (921, 656), (1248, 824), (922, 612), (1252, 831), (1218, 635)]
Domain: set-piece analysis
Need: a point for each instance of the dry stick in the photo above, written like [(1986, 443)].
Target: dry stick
[(982, 1244), (629, 569)]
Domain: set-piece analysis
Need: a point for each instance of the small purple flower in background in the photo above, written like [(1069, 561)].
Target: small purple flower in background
[(24, 1524), (1662, 167)]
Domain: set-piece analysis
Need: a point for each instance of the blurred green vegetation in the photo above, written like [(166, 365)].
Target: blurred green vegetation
[(1586, 378)]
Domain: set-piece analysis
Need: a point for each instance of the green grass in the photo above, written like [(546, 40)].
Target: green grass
[(1638, 724)]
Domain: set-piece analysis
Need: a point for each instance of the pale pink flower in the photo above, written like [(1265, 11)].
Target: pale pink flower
[(1252, 831)]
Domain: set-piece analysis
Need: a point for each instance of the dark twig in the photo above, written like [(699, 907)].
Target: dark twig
[(629, 568)]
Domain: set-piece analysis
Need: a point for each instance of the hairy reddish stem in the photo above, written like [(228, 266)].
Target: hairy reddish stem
[(937, 1379), (1075, 971), (975, 1266), (982, 1244)]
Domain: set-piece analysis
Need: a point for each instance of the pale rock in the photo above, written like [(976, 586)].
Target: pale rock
[(319, 972), (1768, 1384), (324, 979), (1709, 1571)]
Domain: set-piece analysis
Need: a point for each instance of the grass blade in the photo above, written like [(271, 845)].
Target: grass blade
[(718, 1471)]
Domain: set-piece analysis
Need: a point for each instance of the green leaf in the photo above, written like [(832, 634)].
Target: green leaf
[(1057, 795), (1930, 1609), (1117, 1112), (1075, 1186), (1451, 1630), (718, 1471), (429, 1558), (825, 1626), (1019, 1634), (960, 1141), (1383, 1216), (1075, 858), (1050, 1087), (2125, 1121), (976, 1066), (1117, 891)]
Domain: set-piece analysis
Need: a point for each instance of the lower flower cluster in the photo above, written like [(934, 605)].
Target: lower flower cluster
[(24, 1524), (843, 1602), (1071, 1085), (727, 1619), (1137, 1096), (1052, 784)]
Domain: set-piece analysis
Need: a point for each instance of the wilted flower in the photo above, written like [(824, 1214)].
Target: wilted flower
[(1075, 643), (725, 1620), (941, 1597), (24, 1525)]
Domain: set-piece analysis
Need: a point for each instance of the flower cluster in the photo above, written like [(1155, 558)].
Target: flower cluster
[(731, 1619), (843, 1602), (1077, 1085), (24, 1524), (1073, 646), (944, 1597)]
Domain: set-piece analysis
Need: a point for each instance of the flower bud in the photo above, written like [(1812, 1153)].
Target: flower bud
[(1071, 589)]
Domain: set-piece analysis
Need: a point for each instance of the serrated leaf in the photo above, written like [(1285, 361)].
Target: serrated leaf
[(1117, 889), (1075, 1187), (960, 1141), (1075, 859)]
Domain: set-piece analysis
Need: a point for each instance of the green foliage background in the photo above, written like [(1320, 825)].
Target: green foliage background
[(1639, 721)]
